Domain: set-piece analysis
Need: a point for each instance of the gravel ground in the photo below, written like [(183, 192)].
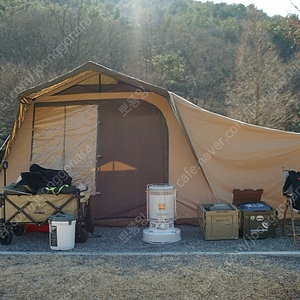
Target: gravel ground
[(110, 267), (124, 239)]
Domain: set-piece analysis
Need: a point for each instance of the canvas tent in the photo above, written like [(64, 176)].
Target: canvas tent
[(116, 134)]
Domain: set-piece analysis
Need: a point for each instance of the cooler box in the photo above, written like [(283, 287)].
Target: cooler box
[(258, 220), (218, 221)]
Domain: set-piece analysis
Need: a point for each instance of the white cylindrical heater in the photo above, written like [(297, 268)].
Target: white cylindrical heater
[(161, 212)]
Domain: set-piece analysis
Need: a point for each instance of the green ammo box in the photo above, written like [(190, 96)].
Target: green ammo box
[(258, 219), (218, 221)]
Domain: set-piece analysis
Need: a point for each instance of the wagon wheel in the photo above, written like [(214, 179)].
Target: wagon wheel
[(88, 220), (90, 227), (81, 235), (18, 230), (5, 237)]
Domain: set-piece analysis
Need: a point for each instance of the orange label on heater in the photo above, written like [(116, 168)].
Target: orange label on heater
[(162, 206)]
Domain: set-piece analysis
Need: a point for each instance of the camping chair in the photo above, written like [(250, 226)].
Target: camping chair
[(291, 191)]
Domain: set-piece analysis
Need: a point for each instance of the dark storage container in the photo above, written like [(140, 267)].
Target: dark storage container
[(247, 195), (258, 220)]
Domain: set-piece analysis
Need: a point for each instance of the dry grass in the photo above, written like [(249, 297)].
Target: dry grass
[(145, 277)]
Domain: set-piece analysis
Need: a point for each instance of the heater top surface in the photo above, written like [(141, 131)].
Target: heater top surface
[(160, 186)]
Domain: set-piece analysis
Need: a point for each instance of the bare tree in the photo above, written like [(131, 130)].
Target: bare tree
[(259, 91)]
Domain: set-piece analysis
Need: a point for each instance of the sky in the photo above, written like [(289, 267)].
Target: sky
[(270, 7)]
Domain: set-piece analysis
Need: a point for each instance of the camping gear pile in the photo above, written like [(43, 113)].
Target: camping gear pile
[(248, 217), (37, 195)]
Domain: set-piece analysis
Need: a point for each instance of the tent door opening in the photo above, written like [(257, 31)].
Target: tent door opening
[(132, 152)]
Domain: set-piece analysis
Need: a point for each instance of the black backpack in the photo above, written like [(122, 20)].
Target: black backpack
[(293, 180)]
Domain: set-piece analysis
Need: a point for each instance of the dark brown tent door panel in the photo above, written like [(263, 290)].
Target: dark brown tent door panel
[(132, 152)]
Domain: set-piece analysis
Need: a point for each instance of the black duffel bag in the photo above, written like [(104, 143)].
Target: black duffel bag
[(40, 177)]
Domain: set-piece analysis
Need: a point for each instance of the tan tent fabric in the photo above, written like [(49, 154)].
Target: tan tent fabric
[(235, 155), (64, 139), (208, 155), (49, 123), (19, 146), (23, 109), (25, 102)]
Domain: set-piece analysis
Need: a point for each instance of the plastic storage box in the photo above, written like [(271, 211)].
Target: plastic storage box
[(218, 221), (258, 220)]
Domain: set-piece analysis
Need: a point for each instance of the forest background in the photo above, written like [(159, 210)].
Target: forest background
[(229, 59)]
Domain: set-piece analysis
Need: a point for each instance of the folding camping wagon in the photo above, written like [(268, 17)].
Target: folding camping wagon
[(25, 205)]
